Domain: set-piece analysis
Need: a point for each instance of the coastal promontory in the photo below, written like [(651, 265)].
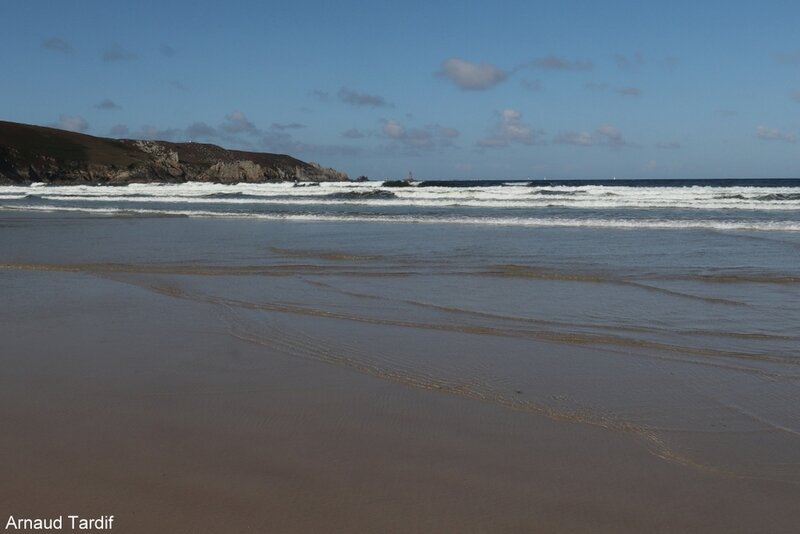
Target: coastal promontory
[(39, 154)]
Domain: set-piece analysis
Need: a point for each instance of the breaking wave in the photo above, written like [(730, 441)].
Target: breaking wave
[(774, 206)]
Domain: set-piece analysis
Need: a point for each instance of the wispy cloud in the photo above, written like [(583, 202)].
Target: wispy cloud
[(283, 143), (235, 130), (604, 135), (180, 86), (629, 91), (532, 85), (510, 130), (559, 63), (788, 58), (354, 98), (73, 123), (354, 133), (595, 86), (670, 63), (158, 134), (59, 45), (629, 63), (116, 53), (120, 130), (166, 50), (471, 76), (237, 123), (107, 105), (200, 130), (576, 138), (414, 140), (322, 96), (773, 134), (287, 126)]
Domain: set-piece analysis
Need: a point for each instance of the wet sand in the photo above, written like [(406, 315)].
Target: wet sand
[(133, 394)]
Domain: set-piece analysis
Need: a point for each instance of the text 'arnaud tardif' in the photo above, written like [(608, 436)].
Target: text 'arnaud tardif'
[(70, 522)]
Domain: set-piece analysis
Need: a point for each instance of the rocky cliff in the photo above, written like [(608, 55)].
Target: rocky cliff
[(38, 154)]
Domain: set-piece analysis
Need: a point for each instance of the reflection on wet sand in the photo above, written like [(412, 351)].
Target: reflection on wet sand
[(315, 295), (687, 373)]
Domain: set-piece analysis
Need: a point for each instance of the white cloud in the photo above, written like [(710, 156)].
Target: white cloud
[(510, 130), (610, 134), (393, 129), (773, 134), (72, 123), (471, 76)]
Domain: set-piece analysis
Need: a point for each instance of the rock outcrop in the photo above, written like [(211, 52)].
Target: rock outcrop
[(38, 154)]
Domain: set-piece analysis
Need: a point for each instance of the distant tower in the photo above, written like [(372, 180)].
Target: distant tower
[(410, 177)]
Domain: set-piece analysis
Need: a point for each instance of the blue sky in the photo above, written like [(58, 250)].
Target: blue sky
[(448, 90)]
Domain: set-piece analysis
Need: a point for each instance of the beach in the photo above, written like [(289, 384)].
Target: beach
[(281, 267), (208, 374)]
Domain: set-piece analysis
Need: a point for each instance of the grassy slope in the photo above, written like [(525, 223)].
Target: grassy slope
[(33, 142)]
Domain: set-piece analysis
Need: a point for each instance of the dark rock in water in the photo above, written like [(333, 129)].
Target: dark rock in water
[(310, 184), (556, 192), (397, 183), (38, 154), (363, 195), (361, 179), (779, 196), (229, 195)]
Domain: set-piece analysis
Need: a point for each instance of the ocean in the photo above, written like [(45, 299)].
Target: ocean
[(668, 310), (760, 205)]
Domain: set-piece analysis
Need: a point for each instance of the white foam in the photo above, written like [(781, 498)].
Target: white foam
[(583, 197), (540, 222), (526, 205)]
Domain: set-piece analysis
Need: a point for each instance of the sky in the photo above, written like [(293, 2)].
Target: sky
[(445, 90)]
